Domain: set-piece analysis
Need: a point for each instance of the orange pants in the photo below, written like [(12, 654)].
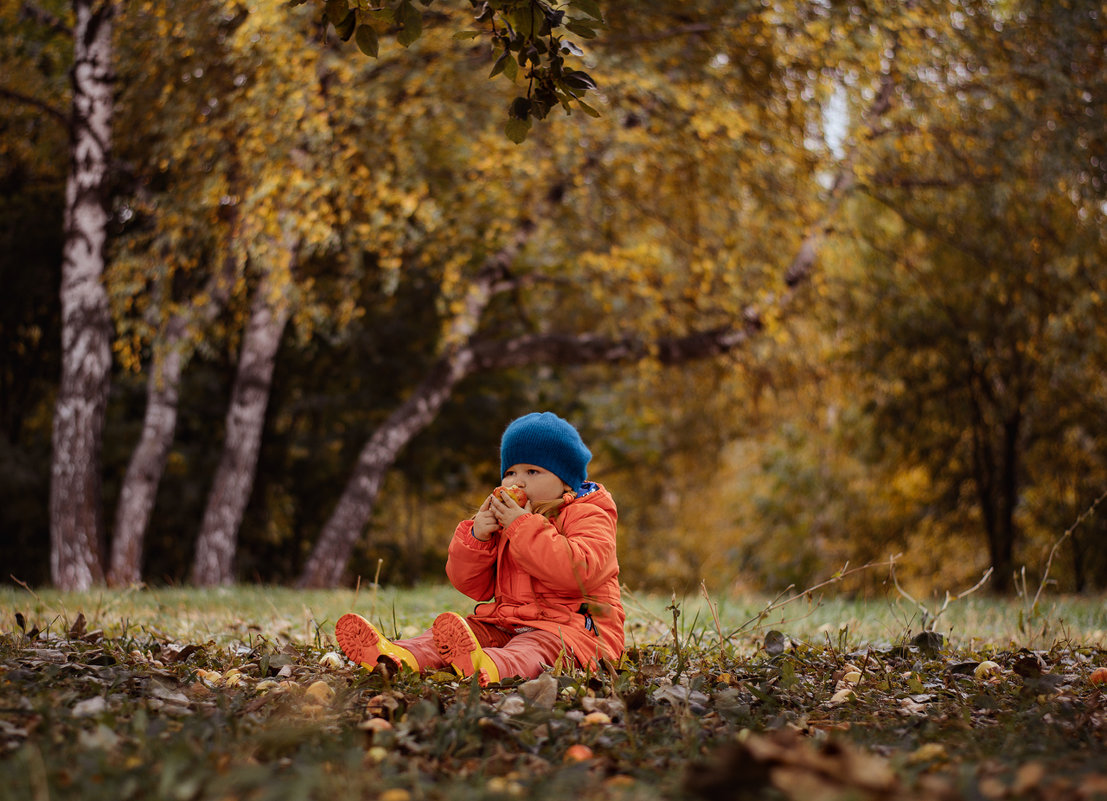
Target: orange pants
[(525, 655)]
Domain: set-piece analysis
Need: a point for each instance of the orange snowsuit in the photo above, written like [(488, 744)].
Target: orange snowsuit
[(559, 576)]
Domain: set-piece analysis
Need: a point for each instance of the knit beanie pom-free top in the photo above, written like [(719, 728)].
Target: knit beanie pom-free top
[(545, 440)]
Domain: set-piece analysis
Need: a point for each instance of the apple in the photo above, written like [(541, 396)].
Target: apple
[(518, 494), (1099, 676), (578, 753)]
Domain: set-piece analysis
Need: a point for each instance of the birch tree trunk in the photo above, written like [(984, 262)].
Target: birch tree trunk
[(76, 529), (144, 472), (147, 465), (234, 478)]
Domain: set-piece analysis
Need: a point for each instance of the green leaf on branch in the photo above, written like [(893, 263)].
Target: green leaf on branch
[(517, 130), (587, 109), (367, 40), (527, 20), (581, 29), (337, 11), (501, 64), (412, 24), (345, 28), (578, 81), (589, 7)]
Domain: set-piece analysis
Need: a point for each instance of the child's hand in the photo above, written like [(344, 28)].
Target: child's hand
[(485, 523), (506, 510)]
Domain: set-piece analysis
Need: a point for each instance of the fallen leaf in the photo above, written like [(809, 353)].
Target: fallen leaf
[(382, 705), (678, 694), (163, 693), (540, 691), (319, 691), (613, 707), (90, 706), (775, 642), (512, 705), (909, 706), (1028, 777), (101, 738), (928, 752), (1029, 666)]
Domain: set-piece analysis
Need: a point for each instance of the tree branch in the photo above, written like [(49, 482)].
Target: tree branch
[(19, 97), (45, 18), (581, 349)]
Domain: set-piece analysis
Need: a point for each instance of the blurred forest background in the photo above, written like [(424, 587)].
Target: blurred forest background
[(823, 282)]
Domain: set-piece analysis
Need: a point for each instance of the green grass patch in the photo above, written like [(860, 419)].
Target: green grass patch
[(238, 693)]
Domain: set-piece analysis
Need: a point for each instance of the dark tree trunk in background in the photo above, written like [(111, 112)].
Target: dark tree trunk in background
[(995, 471), (234, 478), (76, 528)]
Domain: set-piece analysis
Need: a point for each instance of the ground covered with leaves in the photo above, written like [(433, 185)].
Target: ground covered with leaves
[(145, 716)]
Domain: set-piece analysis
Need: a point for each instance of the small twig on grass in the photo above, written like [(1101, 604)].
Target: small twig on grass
[(1053, 551), (776, 603), (714, 609), (23, 584), (676, 639), (930, 618), (376, 586)]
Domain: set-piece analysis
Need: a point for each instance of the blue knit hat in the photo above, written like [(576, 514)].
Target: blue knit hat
[(545, 440)]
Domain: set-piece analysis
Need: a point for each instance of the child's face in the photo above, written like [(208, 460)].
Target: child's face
[(540, 484)]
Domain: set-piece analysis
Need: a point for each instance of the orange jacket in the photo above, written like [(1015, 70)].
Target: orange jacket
[(560, 576)]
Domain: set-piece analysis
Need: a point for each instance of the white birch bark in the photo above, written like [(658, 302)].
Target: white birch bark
[(147, 464), (234, 478), (76, 529)]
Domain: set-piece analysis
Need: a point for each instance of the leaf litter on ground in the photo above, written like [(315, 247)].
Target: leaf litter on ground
[(136, 716)]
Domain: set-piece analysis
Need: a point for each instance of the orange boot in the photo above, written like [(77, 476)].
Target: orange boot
[(363, 644), (458, 645)]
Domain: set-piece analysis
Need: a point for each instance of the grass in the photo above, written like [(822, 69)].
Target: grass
[(236, 694), (245, 613)]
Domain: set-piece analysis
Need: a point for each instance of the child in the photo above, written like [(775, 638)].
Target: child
[(545, 575)]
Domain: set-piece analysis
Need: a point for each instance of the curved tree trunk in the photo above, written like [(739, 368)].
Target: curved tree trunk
[(351, 515), (76, 530), (234, 478), (328, 559)]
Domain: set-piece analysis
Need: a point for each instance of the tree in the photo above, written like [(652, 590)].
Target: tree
[(269, 313), (970, 300), (529, 40), (657, 276), (76, 528)]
